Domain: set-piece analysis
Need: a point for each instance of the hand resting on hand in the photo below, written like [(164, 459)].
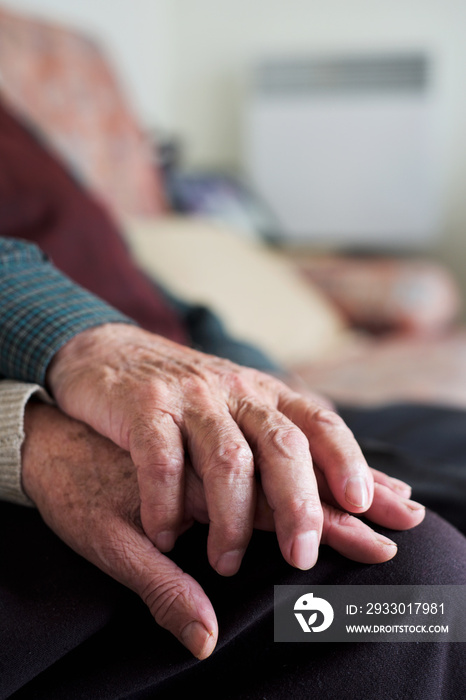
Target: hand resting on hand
[(86, 489), (162, 402)]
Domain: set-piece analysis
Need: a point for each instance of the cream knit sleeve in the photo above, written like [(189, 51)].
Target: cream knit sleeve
[(13, 399)]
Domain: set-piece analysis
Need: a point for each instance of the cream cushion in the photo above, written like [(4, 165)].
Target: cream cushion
[(256, 291)]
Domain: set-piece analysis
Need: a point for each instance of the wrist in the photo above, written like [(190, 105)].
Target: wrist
[(49, 435), (81, 350)]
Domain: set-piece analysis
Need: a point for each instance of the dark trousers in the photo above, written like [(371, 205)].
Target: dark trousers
[(68, 631)]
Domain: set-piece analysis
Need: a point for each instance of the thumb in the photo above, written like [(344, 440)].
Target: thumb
[(176, 601)]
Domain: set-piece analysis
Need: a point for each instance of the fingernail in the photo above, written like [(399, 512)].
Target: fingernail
[(165, 541), (305, 550), (229, 563), (356, 492), (414, 505), (198, 639), (401, 486), (386, 542)]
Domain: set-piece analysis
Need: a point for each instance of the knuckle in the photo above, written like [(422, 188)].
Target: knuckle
[(193, 385), (237, 382), (287, 441), (300, 508), (327, 418), (224, 450), (245, 405), (164, 467), (166, 599), (233, 457)]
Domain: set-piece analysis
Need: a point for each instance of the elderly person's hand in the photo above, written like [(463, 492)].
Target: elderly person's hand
[(238, 427), (86, 489)]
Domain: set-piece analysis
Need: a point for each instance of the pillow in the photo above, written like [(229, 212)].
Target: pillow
[(387, 294), (257, 293)]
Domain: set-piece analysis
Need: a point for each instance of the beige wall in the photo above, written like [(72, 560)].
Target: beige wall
[(185, 64), (217, 41)]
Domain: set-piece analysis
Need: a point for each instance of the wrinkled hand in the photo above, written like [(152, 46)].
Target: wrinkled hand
[(86, 490), (161, 401)]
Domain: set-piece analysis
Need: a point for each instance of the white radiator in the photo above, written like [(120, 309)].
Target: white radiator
[(344, 149)]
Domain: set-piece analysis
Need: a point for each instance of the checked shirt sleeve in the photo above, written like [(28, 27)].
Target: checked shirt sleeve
[(40, 310)]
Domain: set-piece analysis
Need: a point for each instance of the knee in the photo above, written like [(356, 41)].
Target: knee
[(433, 553)]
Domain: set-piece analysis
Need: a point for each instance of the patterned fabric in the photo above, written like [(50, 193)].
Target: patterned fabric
[(61, 82), (40, 311)]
